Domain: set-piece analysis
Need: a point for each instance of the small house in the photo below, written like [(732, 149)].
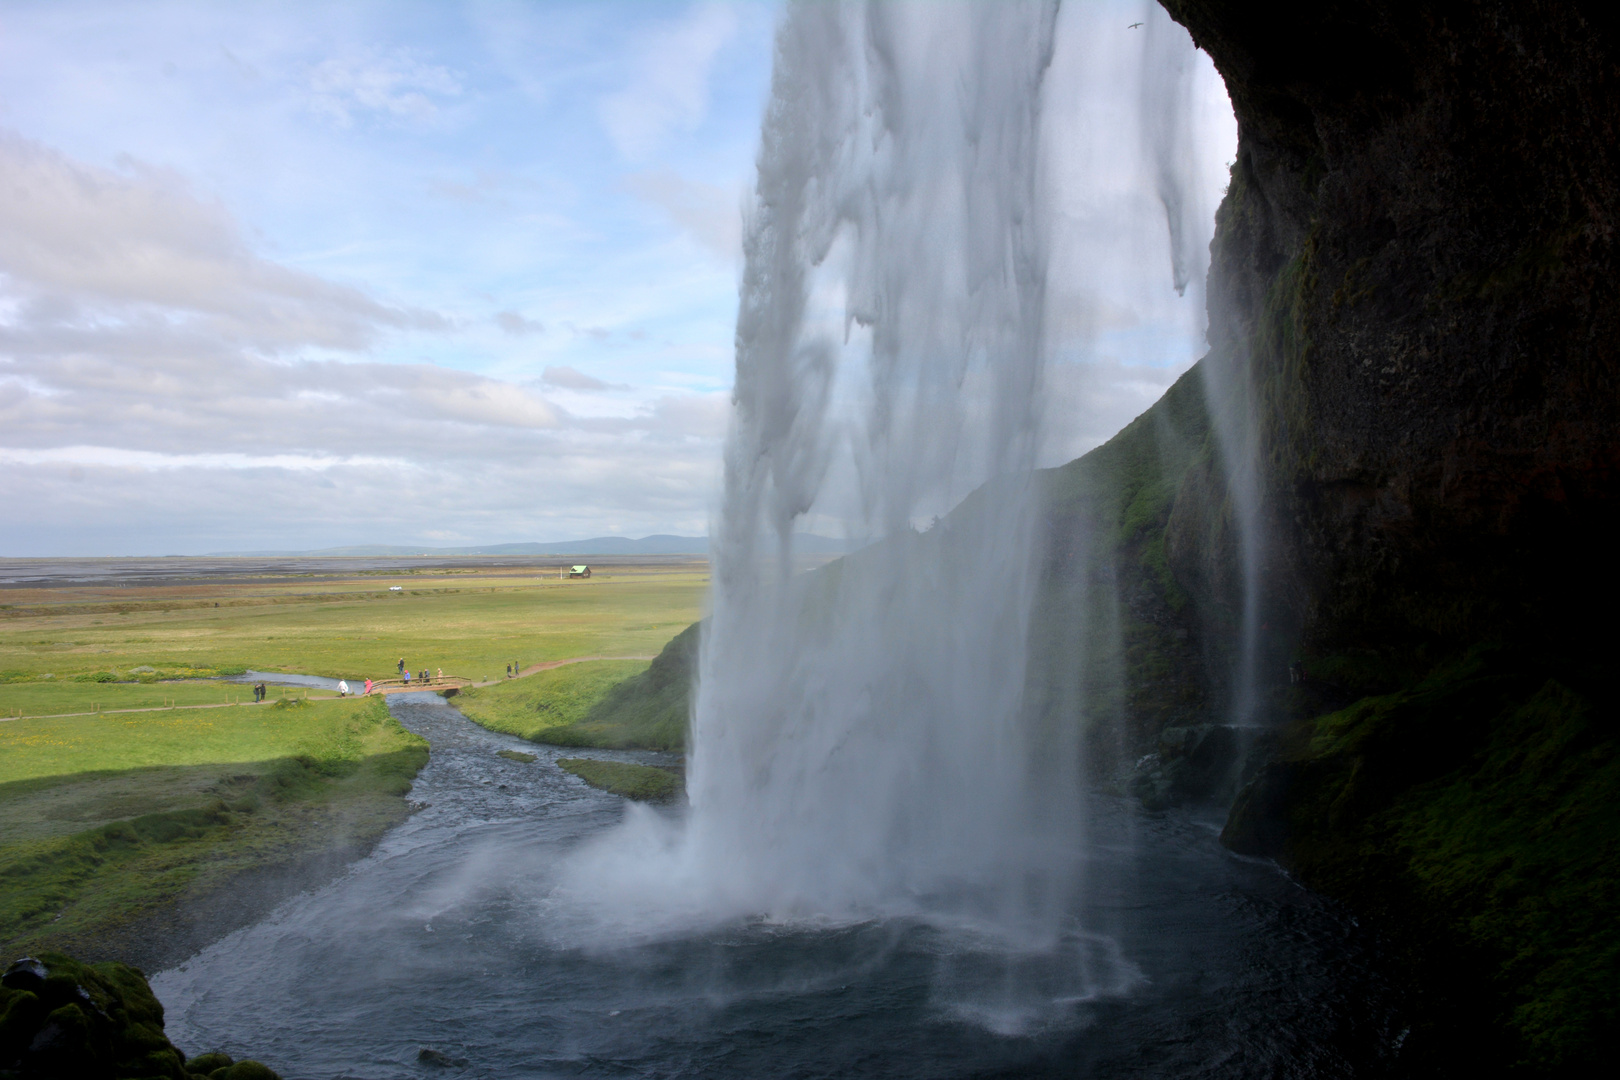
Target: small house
[(579, 571)]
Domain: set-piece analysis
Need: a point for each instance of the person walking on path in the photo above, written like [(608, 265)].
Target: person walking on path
[(508, 671), (343, 688), (407, 677), (368, 688), (441, 674)]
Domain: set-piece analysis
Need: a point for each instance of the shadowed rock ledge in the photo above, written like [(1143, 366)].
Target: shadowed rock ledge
[(1414, 285)]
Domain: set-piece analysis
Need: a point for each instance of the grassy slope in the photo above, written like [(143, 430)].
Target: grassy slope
[(642, 782), (1116, 644), (548, 705), (108, 820), (615, 704)]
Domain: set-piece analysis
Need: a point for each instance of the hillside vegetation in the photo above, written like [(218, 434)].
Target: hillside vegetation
[(112, 825), (615, 704)]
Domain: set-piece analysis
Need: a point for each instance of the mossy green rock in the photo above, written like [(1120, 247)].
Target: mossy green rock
[(244, 1070), (61, 1019), (1473, 814), (208, 1064)]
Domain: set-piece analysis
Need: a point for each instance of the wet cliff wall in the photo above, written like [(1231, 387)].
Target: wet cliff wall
[(1413, 290), (1415, 271)]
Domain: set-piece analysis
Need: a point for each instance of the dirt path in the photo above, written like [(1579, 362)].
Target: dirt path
[(144, 708), (546, 666)]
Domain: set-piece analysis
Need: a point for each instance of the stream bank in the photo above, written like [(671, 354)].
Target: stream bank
[(448, 942)]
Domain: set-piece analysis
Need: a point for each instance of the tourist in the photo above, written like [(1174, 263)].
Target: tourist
[(441, 674), (402, 667), (407, 677), (368, 688), (343, 688), (508, 671)]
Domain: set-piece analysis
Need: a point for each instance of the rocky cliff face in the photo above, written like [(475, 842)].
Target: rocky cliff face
[(1413, 306), (1415, 271), (1414, 293)]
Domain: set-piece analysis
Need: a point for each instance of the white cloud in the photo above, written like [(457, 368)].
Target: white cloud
[(568, 379), (395, 85), (494, 403), (112, 457), (709, 213), (516, 324), (158, 374), (669, 92), (80, 244)]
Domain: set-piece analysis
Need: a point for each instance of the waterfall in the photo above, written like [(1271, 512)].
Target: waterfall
[(856, 738), (861, 745)]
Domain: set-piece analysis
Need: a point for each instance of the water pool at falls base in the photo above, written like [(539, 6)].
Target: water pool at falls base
[(443, 939)]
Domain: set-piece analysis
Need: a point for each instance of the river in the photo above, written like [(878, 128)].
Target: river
[(442, 953)]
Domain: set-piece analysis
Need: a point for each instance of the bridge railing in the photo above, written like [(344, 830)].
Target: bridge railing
[(391, 686)]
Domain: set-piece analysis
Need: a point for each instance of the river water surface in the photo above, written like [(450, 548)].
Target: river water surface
[(442, 953)]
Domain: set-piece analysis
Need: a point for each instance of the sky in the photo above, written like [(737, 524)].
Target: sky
[(294, 275)]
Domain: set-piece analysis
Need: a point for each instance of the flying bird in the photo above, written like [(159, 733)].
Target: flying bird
[(1133, 26)]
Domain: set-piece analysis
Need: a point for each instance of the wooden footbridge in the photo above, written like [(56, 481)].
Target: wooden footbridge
[(414, 686)]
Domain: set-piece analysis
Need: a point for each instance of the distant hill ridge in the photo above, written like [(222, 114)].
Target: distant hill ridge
[(661, 544)]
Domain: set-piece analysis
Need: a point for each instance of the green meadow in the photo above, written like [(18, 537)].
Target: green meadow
[(55, 643), (108, 819), (50, 697), (113, 823)]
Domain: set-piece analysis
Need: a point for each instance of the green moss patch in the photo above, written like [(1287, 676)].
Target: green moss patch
[(641, 782), (63, 1018), (1474, 814)]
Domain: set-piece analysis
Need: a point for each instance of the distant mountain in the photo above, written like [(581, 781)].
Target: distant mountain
[(804, 543)]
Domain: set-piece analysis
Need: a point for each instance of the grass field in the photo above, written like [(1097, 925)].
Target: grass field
[(110, 822), (105, 820), (50, 697), (467, 622)]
